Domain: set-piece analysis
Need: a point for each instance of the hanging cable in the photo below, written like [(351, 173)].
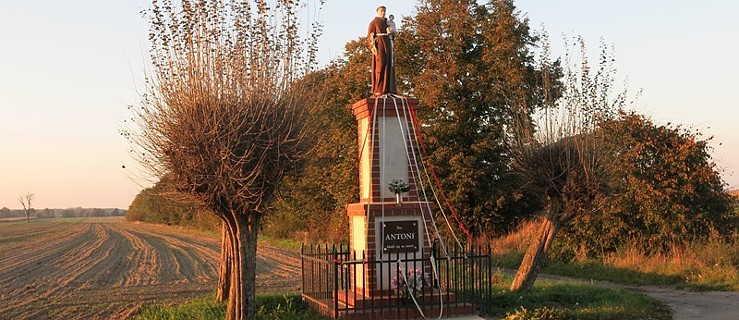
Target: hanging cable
[(422, 188), (419, 183), (383, 154), (410, 170), (438, 183), (416, 133), (432, 259), (359, 178), (371, 156), (405, 280), (408, 132), (383, 146)]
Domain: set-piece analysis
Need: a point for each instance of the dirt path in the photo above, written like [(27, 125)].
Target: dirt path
[(106, 268), (689, 305)]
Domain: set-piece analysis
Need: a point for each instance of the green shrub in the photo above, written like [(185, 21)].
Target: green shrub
[(200, 309), (275, 307), (543, 313)]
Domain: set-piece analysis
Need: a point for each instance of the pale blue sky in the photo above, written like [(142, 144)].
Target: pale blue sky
[(68, 69)]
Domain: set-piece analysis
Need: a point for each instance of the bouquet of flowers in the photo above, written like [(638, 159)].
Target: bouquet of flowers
[(412, 284), (399, 186)]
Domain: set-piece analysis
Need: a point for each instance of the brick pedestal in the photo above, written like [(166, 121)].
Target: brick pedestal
[(389, 272), (379, 227)]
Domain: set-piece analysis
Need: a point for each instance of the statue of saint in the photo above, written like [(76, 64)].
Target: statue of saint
[(381, 45)]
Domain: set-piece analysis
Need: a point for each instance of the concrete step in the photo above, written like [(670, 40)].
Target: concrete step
[(359, 300), (453, 310)]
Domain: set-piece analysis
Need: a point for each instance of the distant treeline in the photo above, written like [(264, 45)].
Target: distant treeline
[(64, 213), (159, 205)]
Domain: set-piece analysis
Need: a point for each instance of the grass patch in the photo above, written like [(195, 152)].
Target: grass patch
[(508, 260), (181, 228), (558, 300), (288, 244), (555, 300), (269, 307), (200, 309), (706, 265), (597, 271)]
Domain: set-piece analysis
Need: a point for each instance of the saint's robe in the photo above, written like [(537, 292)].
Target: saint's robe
[(383, 70)]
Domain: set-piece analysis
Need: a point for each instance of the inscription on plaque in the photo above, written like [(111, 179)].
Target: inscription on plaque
[(400, 236)]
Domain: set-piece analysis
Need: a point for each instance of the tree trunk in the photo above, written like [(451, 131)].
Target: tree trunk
[(242, 292), (249, 267), (28, 217), (224, 271), (234, 308), (529, 269)]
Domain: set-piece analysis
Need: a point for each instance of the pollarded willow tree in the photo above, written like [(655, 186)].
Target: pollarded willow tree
[(223, 118), (566, 162)]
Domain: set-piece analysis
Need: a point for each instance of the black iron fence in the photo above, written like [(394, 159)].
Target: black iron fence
[(348, 285)]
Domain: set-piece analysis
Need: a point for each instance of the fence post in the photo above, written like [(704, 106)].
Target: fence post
[(336, 283), (489, 293), (302, 267)]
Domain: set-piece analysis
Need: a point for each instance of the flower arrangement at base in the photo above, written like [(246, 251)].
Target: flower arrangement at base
[(410, 285)]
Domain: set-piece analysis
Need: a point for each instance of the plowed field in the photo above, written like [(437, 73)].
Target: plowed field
[(106, 268)]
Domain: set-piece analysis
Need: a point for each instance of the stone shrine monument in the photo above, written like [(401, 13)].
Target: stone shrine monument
[(383, 225), (389, 270)]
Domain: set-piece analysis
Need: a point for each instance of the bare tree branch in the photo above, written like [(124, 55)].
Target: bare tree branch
[(25, 200), (561, 152)]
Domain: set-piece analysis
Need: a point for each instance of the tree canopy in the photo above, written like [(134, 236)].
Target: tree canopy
[(472, 67), (468, 64), (668, 191)]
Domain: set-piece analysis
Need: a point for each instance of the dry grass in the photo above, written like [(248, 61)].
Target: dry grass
[(517, 241), (713, 264)]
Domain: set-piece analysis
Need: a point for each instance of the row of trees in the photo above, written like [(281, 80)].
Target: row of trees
[(63, 213), (153, 206)]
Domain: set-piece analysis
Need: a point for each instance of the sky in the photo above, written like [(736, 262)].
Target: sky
[(69, 69)]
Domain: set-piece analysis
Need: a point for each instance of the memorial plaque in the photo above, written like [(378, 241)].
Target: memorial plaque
[(400, 236)]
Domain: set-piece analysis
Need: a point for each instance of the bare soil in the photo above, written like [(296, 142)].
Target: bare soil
[(107, 268)]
